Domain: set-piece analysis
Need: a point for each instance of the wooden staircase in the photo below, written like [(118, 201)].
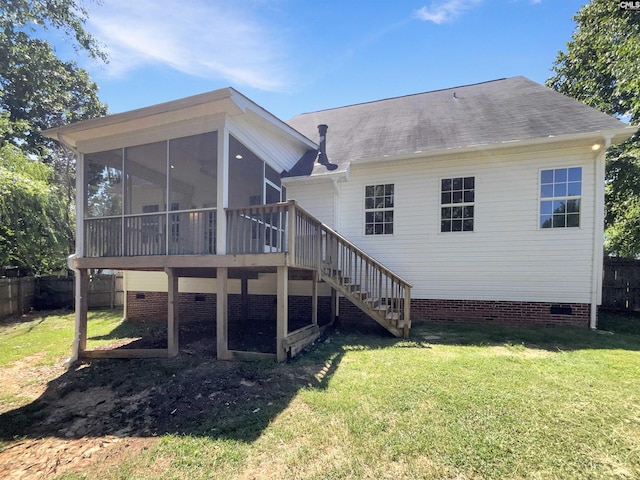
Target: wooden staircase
[(368, 284), (310, 244)]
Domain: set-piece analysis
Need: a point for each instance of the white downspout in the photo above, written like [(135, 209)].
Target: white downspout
[(79, 247), (598, 230)]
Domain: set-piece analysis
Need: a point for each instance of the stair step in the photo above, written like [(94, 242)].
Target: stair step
[(401, 323), (393, 316), (362, 294), (373, 302)]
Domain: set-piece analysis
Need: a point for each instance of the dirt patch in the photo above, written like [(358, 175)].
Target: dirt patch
[(89, 416), (49, 457), (26, 380)]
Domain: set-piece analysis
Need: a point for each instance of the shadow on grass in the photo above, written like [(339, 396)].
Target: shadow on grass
[(193, 394), (197, 395), (35, 317)]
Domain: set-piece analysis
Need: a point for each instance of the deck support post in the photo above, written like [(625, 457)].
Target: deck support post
[(173, 326), (222, 314), (82, 308), (334, 305), (244, 299), (407, 312), (282, 327), (314, 298)]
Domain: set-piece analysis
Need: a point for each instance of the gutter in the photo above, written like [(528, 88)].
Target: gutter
[(614, 135), (598, 231)]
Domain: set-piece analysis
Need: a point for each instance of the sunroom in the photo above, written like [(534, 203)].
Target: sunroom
[(162, 198)]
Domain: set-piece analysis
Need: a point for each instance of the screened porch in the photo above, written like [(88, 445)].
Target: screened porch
[(170, 198)]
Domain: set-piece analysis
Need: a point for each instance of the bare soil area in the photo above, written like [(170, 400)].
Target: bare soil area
[(96, 412)]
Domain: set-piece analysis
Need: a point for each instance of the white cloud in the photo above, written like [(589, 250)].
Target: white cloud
[(445, 11), (205, 38)]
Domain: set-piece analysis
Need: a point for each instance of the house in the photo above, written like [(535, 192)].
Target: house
[(481, 203)]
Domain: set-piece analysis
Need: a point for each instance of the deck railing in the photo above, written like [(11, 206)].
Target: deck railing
[(191, 232), (103, 237), (260, 229), (349, 267), (257, 229)]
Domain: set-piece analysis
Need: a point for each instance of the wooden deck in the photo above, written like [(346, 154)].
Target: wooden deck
[(280, 238)]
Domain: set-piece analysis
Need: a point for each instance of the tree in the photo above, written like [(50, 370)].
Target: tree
[(31, 214), (601, 68), (38, 90)]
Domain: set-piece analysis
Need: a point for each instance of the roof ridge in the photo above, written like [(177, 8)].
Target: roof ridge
[(405, 96)]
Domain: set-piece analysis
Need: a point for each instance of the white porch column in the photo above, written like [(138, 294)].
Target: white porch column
[(223, 190), (80, 195)]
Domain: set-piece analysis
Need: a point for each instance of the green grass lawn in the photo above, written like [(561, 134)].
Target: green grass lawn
[(450, 402)]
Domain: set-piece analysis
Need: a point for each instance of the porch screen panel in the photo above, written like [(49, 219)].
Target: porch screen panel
[(246, 176), (145, 168), (193, 163), (103, 184), (145, 199)]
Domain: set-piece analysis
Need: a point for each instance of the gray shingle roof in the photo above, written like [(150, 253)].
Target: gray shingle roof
[(482, 114)]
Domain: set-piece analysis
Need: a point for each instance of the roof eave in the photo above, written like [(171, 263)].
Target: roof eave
[(616, 136), (66, 131), (244, 102), (341, 176), (70, 135)]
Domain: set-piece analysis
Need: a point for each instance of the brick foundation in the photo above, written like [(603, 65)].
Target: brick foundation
[(487, 312), (202, 306), (262, 308)]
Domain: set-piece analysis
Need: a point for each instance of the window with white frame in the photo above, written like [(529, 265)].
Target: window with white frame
[(378, 209), (457, 204), (560, 195)]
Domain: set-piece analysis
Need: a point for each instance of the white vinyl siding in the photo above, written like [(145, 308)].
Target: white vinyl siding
[(317, 199), (508, 257)]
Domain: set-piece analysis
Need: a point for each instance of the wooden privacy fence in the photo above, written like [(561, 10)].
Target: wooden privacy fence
[(20, 295), (621, 284), (16, 295)]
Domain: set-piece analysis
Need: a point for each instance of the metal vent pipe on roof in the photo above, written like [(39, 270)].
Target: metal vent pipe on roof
[(322, 151)]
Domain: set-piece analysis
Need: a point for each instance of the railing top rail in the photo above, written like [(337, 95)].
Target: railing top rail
[(281, 206), (350, 244)]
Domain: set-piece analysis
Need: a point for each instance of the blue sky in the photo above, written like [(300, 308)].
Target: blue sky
[(295, 56)]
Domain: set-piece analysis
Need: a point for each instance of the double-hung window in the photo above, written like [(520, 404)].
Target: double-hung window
[(560, 194), (378, 209), (457, 204)]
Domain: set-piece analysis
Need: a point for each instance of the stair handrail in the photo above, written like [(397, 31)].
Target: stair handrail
[(342, 239)]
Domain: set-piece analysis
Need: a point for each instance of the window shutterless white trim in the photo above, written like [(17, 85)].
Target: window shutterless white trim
[(559, 197), (459, 202), (379, 205)]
